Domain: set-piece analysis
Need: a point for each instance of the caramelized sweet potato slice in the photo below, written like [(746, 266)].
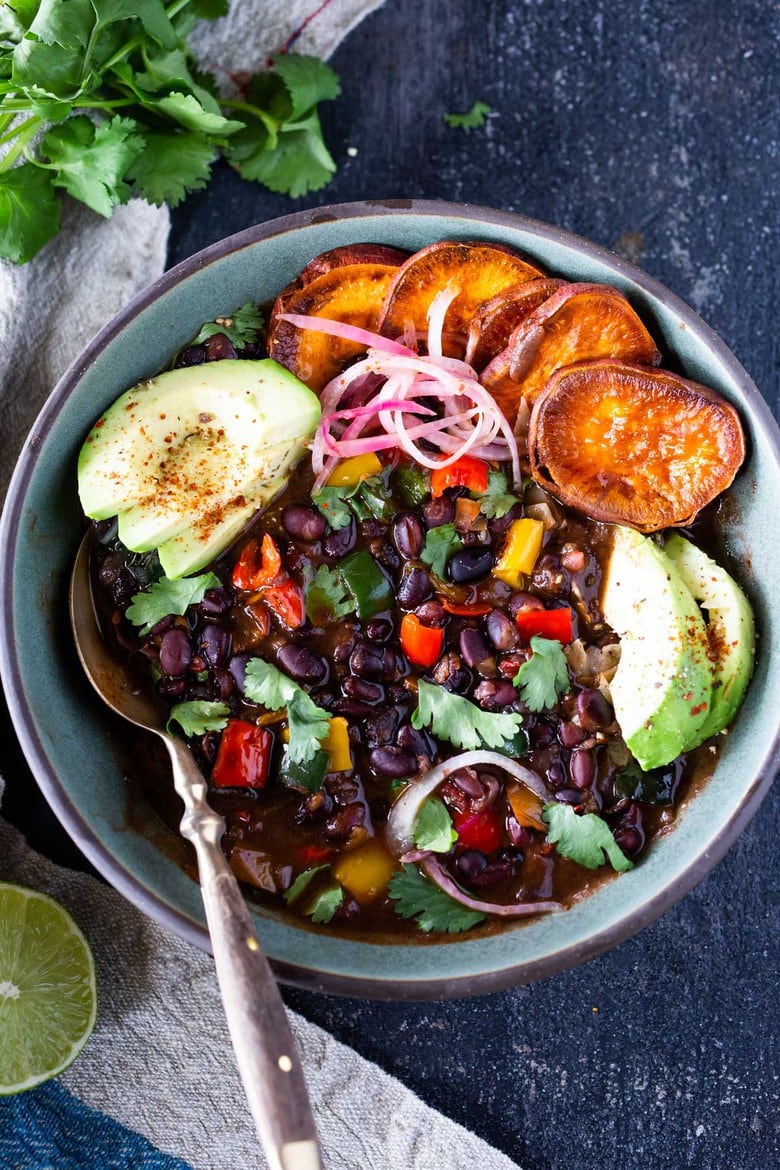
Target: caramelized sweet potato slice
[(632, 445), (494, 322), (354, 294), (351, 254), (576, 322), (479, 271)]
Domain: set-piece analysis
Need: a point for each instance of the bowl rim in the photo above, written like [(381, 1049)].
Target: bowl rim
[(23, 718)]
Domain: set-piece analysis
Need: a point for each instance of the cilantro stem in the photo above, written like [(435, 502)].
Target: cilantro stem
[(25, 136), (136, 42), (13, 131), (273, 125)]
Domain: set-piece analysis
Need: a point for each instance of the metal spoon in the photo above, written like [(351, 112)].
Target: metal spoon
[(264, 1045)]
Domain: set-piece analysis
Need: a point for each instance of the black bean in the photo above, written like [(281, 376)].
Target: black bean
[(431, 614), (343, 648), (393, 762), (216, 601), (379, 629), (118, 580), (372, 528), (408, 535), (474, 649), (493, 873), (542, 734), (373, 662), (629, 840), (175, 652), (518, 834), (352, 708), (594, 710), (191, 355), (520, 602), (215, 645), (499, 525), (225, 682), (380, 727), (173, 688), (237, 667), (439, 511), (343, 825), (339, 543), (492, 695), (501, 630), (218, 347), (415, 587), (161, 626), (470, 864), (469, 564), (570, 734), (568, 796), (582, 769), (556, 775), (303, 523), (417, 742), (383, 552), (302, 664), (360, 688)]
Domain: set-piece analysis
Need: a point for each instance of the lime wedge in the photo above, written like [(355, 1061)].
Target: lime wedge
[(48, 997)]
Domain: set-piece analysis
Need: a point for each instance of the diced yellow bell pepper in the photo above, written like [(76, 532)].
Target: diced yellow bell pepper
[(365, 871), (350, 472), (526, 806), (337, 743), (521, 551)]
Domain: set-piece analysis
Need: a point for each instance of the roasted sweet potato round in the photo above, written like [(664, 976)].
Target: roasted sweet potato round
[(353, 294), (494, 322), (351, 254), (632, 445), (479, 271)]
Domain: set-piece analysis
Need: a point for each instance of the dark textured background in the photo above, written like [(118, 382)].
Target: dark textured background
[(652, 128)]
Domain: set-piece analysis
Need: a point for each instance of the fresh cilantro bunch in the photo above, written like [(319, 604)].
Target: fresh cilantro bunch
[(104, 100)]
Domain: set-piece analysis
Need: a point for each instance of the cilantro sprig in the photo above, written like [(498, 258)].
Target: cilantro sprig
[(105, 100), (307, 723), (497, 500), (433, 828), (369, 497), (586, 839), (197, 716), (460, 721), (166, 597), (241, 327), (440, 544), (543, 677), (416, 897), (327, 597), (472, 120)]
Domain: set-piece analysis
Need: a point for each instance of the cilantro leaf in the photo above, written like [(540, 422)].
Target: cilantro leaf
[(326, 904), (307, 80), (171, 165), (29, 212), (198, 716), (242, 327), (185, 109), (461, 722), (470, 121), (327, 596), (302, 882), (584, 839), (544, 677), (167, 597), (307, 723), (416, 897), (440, 544), (433, 828), (91, 160), (497, 500), (328, 501), (297, 163)]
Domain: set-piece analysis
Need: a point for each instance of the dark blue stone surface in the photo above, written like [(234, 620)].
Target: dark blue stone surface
[(650, 127)]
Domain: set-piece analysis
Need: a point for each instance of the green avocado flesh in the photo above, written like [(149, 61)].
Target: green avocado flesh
[(730, 630), (185, 459), (663, 684)]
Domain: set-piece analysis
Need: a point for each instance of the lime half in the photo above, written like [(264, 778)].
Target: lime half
[(48, 997)]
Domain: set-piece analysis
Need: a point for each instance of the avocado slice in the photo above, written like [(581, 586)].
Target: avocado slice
[(730, 627), (186, 458), (662, 687)]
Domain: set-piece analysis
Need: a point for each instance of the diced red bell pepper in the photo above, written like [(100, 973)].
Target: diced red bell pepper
[(313, 855), (287, 601), (243, 757), (478, 830), (421, 644), (465, 472), (555, 624), (258, 566), (464, 609)]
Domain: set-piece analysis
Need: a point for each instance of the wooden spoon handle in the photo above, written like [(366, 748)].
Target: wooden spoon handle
[(263, 1042)]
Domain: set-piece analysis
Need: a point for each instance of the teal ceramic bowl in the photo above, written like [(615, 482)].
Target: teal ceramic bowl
[(75, 748)]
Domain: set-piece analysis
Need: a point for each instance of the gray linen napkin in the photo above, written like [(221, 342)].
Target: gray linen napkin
[(159, 1060)]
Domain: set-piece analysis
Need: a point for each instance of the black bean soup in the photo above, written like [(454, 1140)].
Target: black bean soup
[(288, 828)]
